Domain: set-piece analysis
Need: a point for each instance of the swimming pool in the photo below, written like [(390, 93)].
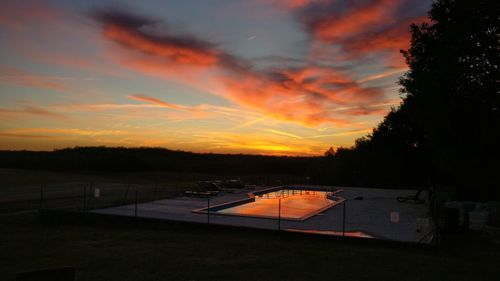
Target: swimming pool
[(288, 203)]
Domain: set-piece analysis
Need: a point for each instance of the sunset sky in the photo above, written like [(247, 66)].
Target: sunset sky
[(252, 76)]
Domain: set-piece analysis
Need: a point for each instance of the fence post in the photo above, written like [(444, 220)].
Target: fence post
[(279, 214), (136, 198), (90, 194), (343, 218), (41, 196), (84, 197), (126, 191), (208, 208), (156, 191)]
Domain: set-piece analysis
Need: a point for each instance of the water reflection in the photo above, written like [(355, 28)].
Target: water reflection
[(358, 234), (295, 204)]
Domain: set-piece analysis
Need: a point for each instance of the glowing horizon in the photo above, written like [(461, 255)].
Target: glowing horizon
[(258, 77)]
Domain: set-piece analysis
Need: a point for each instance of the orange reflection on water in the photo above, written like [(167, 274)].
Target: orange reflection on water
[(295, 204), (358, 234)]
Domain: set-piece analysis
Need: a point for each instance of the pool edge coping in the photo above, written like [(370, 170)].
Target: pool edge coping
[(251, 198)]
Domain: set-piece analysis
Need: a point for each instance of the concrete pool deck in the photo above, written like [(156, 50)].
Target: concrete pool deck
[(372, 215)]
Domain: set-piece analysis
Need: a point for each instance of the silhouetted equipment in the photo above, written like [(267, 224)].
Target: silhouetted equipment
[(208, 186), (415, 198), (214, 187), (204, 188), (232, 184)]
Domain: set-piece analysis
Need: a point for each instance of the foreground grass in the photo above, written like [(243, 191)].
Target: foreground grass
[(128, 253)]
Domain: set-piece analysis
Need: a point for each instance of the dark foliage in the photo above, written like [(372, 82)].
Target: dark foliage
[(447, 129)]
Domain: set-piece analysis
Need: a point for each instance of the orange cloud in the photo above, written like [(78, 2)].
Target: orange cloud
[(128, 31), (174, 51), (364, 27), (303, 94), (395, 38), (356, 20)]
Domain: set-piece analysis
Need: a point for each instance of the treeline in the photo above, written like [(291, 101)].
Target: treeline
[(153, 159)]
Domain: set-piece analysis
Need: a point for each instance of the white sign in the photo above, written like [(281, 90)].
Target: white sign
[(395, 217), (97, 192)]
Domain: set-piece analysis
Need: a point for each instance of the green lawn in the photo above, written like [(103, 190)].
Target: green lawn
[(106, 252)]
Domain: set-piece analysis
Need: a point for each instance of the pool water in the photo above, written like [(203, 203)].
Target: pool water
[(295, 204)]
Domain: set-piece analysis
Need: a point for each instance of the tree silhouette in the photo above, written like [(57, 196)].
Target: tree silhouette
[(330, 152), (447, 127), (451, 92)]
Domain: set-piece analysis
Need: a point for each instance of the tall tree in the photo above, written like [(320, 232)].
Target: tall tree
[(452, 91), (447, 127)]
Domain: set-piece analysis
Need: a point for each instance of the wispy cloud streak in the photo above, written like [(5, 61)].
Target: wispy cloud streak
[(14, 76), (30, 110)]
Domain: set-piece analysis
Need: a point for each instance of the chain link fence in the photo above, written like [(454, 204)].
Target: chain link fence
[(265, 203)]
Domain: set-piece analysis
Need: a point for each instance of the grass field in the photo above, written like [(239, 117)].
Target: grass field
[(105, 252)]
